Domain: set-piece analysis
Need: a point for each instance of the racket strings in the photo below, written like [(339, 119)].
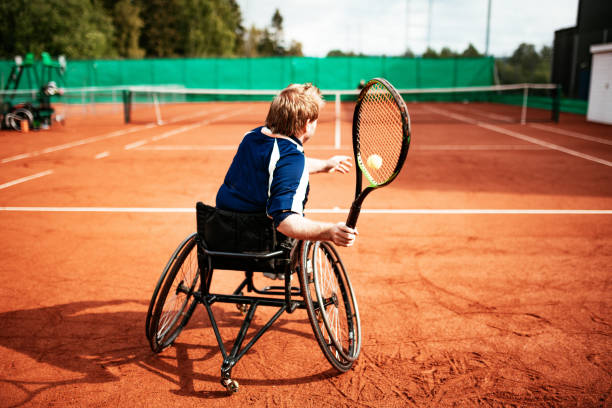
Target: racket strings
[(380, 133)]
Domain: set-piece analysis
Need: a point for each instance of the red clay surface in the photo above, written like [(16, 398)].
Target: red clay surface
[(457, 309)]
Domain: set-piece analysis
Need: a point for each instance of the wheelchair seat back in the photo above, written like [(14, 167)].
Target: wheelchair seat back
[(244, 233)]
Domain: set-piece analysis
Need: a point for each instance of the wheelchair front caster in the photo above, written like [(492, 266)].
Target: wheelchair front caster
[(230, 385), (242, 308)]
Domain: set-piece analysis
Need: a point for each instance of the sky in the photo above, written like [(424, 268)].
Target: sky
[(389, 27)]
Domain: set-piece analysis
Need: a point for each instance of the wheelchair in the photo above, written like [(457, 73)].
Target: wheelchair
[(249, 242)]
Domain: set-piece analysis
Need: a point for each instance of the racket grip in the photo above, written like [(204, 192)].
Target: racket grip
[(351, 221)]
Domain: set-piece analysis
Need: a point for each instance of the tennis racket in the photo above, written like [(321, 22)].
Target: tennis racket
[(381, 138)]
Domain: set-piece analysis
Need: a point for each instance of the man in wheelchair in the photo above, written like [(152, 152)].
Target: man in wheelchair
[(254, 227), (270, 173)]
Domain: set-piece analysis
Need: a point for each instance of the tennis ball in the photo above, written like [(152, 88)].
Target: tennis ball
[(374, 161)]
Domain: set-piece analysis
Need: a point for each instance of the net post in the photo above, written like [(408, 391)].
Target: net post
[(556, 108), (524, 108), (127, 105), (337, 135)]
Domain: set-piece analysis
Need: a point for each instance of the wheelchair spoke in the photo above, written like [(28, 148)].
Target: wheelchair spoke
[(171, 304), (331, 304)]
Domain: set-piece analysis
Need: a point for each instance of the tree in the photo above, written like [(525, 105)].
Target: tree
[(128, 25), (526, 57), (277, 32), (193, 28), (447, 53), (430, 53), (471, 52), (408, 53), (525, 65), (161, 34), (266, 46), (340, 53), (295, 49), (269, 41), (75, 28), (251, 39)]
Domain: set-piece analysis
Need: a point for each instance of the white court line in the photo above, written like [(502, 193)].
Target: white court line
[(419, 147), (571, 134), (490, 115), (450, 114), (77, 143), (221, 147), (545, 144), (135, 144), (186, 128), (320, 210), (189, 147), (458, 211), (101, 137), (24, 179), (101, 155), (478, 147), (521, 136)]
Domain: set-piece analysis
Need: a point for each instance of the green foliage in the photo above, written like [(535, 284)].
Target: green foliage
[(75, 28), (191, 28), (525, 65), (295, 49), (269, 41), (471, 52), (408, 53), (430, 53), (447, 53), (124, 28), (162, 22), (340, 53), (128, 26)]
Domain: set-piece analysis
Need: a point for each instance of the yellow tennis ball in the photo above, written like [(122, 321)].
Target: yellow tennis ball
[(374, 161)]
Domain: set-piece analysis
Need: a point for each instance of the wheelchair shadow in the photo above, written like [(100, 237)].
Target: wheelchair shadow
[(86, 338), (93, 338), (182, 364)]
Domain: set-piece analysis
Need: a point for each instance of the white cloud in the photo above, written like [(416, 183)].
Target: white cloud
[(390, 26)]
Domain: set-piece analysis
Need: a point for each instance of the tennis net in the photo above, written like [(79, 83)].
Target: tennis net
[(518, 103), (504, 103)]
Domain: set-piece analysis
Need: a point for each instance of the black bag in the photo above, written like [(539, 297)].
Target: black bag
[(228, 231)]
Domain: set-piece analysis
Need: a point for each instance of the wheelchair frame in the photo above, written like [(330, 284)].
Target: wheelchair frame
[(323, 281)]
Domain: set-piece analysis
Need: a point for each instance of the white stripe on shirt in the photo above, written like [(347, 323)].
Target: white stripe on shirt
[(300, 194), (274, 156)]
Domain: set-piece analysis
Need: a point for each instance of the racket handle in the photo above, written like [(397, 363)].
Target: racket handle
[(351, 221)]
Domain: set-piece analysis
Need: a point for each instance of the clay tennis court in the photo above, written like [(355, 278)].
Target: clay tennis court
[(482, 273)]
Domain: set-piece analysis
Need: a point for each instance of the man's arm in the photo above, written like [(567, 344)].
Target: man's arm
[(341, 164), (298, 227)]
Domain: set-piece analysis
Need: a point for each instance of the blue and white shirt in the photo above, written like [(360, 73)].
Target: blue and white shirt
[(267, 174)]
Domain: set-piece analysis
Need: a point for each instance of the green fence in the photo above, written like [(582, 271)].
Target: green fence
[(276, 73), (338, 73)]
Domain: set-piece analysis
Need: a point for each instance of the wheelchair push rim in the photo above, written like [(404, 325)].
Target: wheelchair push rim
[(336, 325), (172, 302)]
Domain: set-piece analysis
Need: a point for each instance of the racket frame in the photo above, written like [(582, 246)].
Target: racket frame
[(406, 135)]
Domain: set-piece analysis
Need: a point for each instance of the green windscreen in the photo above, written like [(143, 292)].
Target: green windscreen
[(331, 73), (340, 73)]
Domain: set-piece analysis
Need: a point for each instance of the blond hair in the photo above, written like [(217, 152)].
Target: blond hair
[(292, 108)]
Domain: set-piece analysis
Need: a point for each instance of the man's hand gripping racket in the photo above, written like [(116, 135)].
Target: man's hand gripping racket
[(381, 138)]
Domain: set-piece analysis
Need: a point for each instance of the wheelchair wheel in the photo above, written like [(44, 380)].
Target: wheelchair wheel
[(14, 119), (172, 303), (331, 304)]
